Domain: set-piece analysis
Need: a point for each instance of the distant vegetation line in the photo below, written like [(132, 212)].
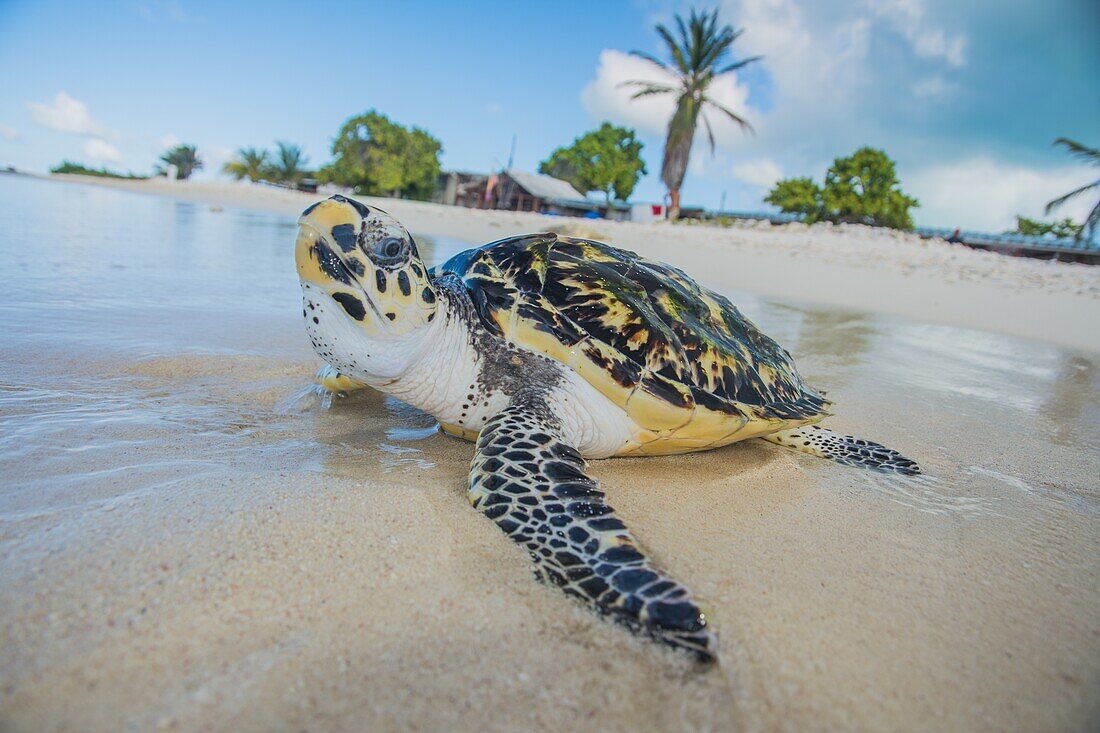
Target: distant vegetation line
[(68, 166)]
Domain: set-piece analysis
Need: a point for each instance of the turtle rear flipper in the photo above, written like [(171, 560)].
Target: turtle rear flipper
[(846, 449), (534, 486)]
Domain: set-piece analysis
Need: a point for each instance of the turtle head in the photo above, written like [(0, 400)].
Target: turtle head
[(360, 267)]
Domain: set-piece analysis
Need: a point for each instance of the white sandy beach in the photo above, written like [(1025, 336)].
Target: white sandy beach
[(189, 544), (869, 269)]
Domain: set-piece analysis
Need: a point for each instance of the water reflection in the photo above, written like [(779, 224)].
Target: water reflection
[(1073, 401), (437, 250), (843, 337)]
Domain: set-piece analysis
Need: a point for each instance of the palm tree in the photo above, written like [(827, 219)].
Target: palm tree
[(185, 158), (289, 164), (698, 55), (1091, 156), (250, 163)]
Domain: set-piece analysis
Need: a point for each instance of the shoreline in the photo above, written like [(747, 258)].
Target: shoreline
[(856, 267)]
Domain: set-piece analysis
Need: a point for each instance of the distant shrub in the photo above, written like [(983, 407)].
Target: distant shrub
[(80, 170), (1064, 229), (860, 189)]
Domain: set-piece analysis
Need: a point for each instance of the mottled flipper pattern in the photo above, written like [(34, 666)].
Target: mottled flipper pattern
[(846, 449), (534, 486)]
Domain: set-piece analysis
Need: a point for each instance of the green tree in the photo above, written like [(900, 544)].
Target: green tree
[(250, 163), (1064, 229), (608, 160), (288, 164), (797, 196), (862, 188), (699, 53), (185, 158), (1092, 157), (379, 157)]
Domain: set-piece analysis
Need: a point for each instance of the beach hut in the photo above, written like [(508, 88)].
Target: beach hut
[(514, 190), (461, 188)]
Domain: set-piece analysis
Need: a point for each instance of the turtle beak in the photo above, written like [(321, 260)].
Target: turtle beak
[(327, 235)]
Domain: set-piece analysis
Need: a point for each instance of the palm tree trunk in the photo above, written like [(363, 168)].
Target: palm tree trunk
[(681, 132)]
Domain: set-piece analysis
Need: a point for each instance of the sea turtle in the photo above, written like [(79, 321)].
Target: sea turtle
[(548, 350)]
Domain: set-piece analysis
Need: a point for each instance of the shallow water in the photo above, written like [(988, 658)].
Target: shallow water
[(152, 350)]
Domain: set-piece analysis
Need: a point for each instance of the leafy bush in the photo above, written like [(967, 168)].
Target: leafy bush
[(797, 196), (862, 188), (1064, 229), (376, 156), (607, 160)]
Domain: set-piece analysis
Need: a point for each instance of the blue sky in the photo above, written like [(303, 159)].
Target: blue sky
[(967, 97)]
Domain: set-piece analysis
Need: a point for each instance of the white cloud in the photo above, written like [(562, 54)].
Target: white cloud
[(763, 172), (936, 44), (98, 149), (933, 88), (982, 193), (169, 141), (605, 99), (806, 59), (66, 114), (10, 133), (907, 17)]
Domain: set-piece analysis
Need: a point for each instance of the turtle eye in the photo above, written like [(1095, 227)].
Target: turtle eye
[(390, 248)]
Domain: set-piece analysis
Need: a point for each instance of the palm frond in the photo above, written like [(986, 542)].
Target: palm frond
[(738, 65), (745, 125), (710, 131), (1076, 149), (1052, 205), (653, 60), (647, 86), (674, 49), (685, 40), (1092, 222), (637, 83), (715, 47), (652, 90)]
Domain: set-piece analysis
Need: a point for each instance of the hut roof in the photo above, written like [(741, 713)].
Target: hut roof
[(545, 187)]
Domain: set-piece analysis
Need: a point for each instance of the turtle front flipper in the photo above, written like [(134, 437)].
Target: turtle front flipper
[(329, 379), (534, 486)]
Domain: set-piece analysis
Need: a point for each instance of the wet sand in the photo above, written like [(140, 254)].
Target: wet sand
[(188, 541)]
